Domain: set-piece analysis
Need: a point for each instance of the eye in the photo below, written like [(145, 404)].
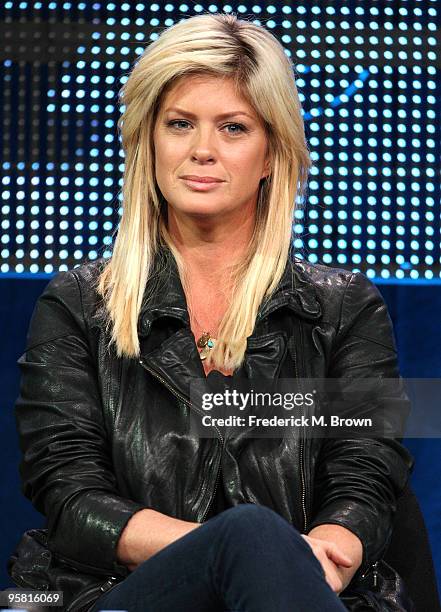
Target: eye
[(241, 127), (175, 122)]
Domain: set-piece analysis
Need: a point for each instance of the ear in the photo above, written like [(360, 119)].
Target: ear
[(266, 168)]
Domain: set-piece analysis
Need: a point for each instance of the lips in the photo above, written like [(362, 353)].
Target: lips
[(202, 179)]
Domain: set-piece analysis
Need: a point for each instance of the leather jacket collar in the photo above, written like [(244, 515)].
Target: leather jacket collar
[(168, 299), (176, 363)]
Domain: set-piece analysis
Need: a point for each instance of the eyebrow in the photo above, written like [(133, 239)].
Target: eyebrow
[(221, 116)]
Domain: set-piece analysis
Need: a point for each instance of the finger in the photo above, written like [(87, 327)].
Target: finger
[(333, 578), (323, 551), (336, 555), (331, 548), (320, 554)]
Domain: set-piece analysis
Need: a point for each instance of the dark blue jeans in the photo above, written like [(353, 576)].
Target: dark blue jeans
[(245, 559)]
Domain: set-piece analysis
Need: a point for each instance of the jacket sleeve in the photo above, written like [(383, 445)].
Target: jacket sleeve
[(358, 480), (66, 465)]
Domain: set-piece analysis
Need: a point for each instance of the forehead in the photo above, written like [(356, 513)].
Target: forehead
[(194, 89)]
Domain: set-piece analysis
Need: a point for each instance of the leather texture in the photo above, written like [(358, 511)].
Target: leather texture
[(34, 566), (103, 437)]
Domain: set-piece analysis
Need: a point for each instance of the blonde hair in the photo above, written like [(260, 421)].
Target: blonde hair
[(224, 46)]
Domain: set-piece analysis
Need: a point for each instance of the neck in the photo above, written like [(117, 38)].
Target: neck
[(208, 250)]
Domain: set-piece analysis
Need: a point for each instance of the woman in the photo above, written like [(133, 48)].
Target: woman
[(202, 284)]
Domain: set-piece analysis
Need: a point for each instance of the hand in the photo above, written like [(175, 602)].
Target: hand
[(331, 559)]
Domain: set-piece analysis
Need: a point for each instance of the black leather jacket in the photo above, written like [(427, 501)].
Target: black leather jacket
[(103, 437)]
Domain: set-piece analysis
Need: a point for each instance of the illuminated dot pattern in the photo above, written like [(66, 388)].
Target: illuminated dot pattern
[(369, 83)]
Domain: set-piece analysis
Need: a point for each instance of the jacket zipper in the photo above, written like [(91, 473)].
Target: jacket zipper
[(375, 573), (367, 597), (196, 409), (371, 567), (84, 598), (215, 488), (301, 450), (301, 453), (302, 461)]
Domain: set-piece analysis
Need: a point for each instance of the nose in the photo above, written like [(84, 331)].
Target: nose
[(203, 145)]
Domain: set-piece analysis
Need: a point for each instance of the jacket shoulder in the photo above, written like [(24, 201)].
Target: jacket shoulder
[(76, 288), (338, 290), (322, 275), (68, 303), (88, 273)]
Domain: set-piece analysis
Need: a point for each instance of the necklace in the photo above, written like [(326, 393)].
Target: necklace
[(205, 343)]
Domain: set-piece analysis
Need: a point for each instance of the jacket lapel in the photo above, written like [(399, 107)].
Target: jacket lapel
[(176, 360)]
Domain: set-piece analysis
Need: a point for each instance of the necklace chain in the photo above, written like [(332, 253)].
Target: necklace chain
[(206, 341)]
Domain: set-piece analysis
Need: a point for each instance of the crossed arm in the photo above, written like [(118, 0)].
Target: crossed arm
[(148, 531)]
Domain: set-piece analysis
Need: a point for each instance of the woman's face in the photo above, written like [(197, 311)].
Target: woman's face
[(204, 129)]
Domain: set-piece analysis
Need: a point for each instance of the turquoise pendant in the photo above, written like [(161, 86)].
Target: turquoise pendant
[(206, 343)]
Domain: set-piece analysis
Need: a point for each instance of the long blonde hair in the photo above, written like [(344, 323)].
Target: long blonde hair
[(224, 46)]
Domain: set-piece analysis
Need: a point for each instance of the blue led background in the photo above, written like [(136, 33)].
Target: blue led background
[(368, 76), (369, 83)]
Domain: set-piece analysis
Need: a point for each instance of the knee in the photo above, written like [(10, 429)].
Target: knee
[(251, 513), (259, 530), (254, 513)]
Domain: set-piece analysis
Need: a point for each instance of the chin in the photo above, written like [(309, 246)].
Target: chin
[(203, 209)]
